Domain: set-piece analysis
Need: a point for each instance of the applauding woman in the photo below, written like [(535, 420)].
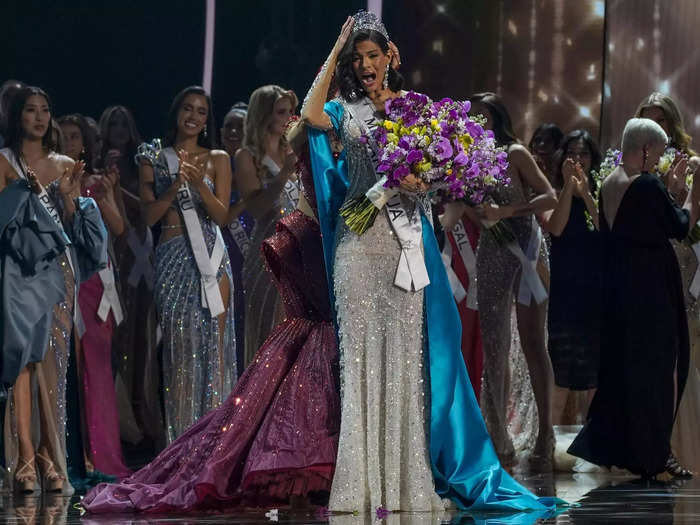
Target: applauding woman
[(41, 293), (186, 187)]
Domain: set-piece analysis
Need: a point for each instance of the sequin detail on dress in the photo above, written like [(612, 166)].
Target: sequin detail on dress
[(199, 361)]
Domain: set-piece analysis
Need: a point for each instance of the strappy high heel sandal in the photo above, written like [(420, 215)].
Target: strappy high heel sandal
[(676, 470), (25, 476), (51, 480)]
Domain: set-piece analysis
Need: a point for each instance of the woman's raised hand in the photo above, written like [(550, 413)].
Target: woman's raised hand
[(345, 32), (568, 172), (69, 182), (395, 56), (675, 178)]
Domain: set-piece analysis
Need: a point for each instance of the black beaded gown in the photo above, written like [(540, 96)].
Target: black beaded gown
[(574, 302), (644, 334)]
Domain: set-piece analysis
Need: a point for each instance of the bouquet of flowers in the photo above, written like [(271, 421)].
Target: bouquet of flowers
[(612, 160), (436, 142)]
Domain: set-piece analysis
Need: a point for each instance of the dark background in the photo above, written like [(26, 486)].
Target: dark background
[(552, 60)]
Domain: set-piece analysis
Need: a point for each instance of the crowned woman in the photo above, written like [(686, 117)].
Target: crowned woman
[(392, 391)]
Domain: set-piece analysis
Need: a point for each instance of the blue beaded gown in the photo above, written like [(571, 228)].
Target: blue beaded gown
[(199, 361), (411, 428)]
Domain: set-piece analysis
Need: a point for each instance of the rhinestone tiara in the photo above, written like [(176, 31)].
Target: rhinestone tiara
[(367, 20)]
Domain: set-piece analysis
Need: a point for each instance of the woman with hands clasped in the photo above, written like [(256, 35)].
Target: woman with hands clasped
[(38, 325), (575, 269), (269, 190), (186, 187), (102, 311)]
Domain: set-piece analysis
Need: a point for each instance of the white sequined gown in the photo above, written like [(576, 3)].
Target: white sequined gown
[(383, 457)]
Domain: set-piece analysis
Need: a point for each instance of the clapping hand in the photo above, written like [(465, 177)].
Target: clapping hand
[(675, 178), (69, 182), (33, 181), (190, 171)]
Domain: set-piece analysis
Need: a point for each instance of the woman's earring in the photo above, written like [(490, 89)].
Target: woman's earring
[(385, 83), (204, 132), (645, 158)]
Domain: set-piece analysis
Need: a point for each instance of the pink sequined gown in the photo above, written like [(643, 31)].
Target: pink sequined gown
[(98, 399), (276, 435)]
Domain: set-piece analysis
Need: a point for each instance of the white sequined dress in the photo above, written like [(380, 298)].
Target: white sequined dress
[(383, 457)]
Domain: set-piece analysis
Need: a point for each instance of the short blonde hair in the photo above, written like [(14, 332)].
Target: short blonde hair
[(640, 132)]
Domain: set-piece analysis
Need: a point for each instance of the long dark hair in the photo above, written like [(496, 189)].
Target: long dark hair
[(88, 135), (15, 134), (560, 155), (500, 118), (547, 128), (134, 136), (350, 87), (210, 140)]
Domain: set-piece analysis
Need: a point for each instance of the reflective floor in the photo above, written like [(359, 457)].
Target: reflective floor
[(595, 498)]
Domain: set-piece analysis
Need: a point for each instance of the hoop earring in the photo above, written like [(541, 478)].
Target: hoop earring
[(385, 82)]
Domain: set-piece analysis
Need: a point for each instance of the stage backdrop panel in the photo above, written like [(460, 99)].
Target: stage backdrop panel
[(545, 57), (651, 46)]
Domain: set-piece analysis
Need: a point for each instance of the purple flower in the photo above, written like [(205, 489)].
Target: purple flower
[(401, 172), (382, 513), (415, 155), (461, 159), (441, 149)]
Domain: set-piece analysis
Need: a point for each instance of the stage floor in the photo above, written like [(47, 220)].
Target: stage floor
[(598, 499)]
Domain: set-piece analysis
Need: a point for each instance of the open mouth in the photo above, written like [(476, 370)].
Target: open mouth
[(368, 79), (191, 125)]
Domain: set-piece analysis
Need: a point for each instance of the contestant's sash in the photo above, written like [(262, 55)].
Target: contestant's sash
[(466, 253), (110, 297), (240, 236), (411, 273), (207, 265), (530, 283), (143, 266), (291, 188), (52, 210)]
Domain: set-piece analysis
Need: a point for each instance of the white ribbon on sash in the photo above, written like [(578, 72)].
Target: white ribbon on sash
[(142, 267), (207, 265), (466, 253), (530, 283), (455, 284), (52, 210), (695, 283), (411, 272), (110, 297)]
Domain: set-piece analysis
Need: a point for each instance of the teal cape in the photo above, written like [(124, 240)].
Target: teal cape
[(464, 462)]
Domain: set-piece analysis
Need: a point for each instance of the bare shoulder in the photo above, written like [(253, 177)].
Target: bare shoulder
[(61, 161), (244, 159), (219, 155), (518, 152)]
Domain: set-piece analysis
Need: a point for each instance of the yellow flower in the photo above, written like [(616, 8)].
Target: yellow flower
[(392, 137), (389, 125), (435, 124), (423, 166)]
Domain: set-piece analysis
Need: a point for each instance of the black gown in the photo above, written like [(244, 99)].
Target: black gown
[(574, 302), (644, 334)]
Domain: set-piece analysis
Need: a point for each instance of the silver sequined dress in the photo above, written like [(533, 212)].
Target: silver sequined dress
[(383, 455), (199, 362), (499, 278)]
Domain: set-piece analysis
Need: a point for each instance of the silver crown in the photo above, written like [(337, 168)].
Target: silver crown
[(367, 20)]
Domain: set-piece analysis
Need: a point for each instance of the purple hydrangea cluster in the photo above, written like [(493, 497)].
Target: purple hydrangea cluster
[(442, 145)]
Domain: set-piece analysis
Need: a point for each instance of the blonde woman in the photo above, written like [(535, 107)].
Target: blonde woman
[(264, 177)]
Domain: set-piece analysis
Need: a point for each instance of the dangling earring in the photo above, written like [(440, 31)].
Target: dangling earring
[(645, 158), (204, 132), (385, 83)]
